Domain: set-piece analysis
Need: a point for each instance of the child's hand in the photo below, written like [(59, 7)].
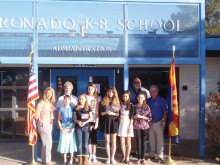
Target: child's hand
[(62, 130), (96, 126), (71, 131), (129, 130)]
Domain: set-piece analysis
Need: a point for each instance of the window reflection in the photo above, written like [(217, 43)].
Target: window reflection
[(21, 77), (20, 123), (21, 96), (5, 98), (6, 77), (5, 124)]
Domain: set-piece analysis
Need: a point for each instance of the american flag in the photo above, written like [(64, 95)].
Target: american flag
[(32, 97)]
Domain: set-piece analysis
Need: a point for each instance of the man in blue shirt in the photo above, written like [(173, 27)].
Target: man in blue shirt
[(136, 89), (158, 107)]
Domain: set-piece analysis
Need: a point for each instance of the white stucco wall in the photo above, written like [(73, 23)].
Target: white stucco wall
[(189, 99)]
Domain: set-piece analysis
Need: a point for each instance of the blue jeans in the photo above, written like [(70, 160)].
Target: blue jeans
[(82, 138)]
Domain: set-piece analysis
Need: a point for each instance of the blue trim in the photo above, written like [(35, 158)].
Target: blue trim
[(48, 60), (119, 1), (126, 76), (202, 83), (212, 43)]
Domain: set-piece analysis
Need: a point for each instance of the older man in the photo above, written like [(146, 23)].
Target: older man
[(158, 109), (136, 89)]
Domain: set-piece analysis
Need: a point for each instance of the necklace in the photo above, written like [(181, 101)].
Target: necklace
[(66, 114)]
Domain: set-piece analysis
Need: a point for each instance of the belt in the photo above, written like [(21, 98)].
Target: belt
[(155, 121)]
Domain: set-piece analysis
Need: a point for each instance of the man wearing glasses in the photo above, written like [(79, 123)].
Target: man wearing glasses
[(136, 89)]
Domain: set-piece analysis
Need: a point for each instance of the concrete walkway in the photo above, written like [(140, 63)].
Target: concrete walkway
[(20, 154)]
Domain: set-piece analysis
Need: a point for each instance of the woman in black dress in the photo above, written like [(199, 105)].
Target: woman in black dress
[(109, 109)]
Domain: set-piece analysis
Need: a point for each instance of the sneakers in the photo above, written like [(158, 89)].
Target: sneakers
[(94, 158), (108, 161), (90, 159), (114, 161)]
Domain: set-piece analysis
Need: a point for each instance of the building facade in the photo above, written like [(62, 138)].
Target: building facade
[(108, 43)]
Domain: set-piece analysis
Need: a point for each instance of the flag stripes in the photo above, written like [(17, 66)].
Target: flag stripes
[(173, 115), (33, 95)]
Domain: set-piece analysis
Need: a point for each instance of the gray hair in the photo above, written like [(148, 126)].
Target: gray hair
[(68, 84), (154, 86)]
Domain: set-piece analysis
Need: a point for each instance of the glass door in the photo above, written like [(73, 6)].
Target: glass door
[(80, 78)]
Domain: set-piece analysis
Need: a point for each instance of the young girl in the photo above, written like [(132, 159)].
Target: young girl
[(94, 102), (126, 125), (82, 117), (67, 142), (142, 118), (110, 107)]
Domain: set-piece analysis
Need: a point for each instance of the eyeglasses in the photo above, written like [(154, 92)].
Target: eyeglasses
[(137, 82)]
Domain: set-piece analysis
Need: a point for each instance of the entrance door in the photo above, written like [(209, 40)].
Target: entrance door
[(80, 78)]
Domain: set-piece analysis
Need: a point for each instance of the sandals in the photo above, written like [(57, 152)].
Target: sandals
[(138, 161)]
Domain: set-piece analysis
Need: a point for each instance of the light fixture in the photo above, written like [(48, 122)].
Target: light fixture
[(118, 71)]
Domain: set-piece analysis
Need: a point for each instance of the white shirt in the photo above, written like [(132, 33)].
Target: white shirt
[(73, 101), (92, 102)]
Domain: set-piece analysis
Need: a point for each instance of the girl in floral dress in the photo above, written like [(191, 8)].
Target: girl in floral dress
[(142, 117)]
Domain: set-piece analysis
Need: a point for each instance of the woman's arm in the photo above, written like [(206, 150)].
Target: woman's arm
[(97, 116), (59, 123), (103, 113), (38, 110), (74, 118)]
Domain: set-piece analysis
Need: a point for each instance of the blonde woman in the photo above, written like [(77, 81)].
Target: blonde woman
[(44, 117), (82, 116), (109, 109)]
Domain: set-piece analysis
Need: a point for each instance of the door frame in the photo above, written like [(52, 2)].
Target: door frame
[(82, 82)]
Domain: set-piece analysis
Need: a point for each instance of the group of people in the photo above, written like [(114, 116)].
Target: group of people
[(79, 118)]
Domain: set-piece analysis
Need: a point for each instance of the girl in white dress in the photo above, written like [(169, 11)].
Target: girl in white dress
[(126, 125)]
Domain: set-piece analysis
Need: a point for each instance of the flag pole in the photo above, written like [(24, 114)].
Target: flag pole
[(33, 161), (169, 161)]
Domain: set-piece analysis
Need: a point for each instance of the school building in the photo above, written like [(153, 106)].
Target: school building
[(108, 43)]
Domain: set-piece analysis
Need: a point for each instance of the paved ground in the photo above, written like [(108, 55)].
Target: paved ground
[(20, 154)]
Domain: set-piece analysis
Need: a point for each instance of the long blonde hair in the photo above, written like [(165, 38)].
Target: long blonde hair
[(86, 105), (95, 92), (115, 99), (52, 100)]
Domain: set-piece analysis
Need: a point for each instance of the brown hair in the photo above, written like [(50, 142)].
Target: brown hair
[(67, 97), (95, 92), (115, 99), (52, 100), (127, 103), (86, 105), (145, 101)]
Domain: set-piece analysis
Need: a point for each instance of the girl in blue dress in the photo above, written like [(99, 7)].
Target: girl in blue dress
[(67, 142)]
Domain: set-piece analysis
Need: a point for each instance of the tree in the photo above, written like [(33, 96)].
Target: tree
[(212, 22)]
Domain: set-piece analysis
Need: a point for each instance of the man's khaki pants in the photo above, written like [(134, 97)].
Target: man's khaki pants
[(156, 137)]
